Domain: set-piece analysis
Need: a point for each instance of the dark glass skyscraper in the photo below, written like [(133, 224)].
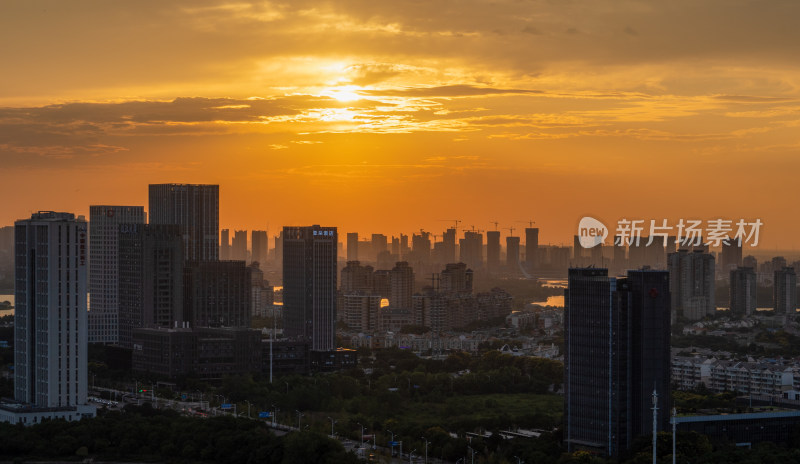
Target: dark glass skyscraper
[(309, 285), (616, 352), (151, 268), (193, 207)]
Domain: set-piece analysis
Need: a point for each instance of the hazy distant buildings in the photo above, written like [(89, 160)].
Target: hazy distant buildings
[(471, 247), (259, 246), (225, 245), (420, 248), (379, 244), (239, 245), (617, 350), (730, 256), (352, 246), (6, 253), (785, 291), (50, 322), (357, 278), (151, 268), (743, 288), (104, 222), (309, 284), (531, 247), (692, 284), (449, 245), (195, 208), (262, 294), (217, 294), (493, 251), (361, 311), (401, 281), (456, 278), (512, 254)]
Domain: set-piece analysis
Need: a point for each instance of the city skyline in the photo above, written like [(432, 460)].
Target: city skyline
[(509, 111)]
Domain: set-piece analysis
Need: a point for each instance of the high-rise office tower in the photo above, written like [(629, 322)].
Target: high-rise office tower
[(104, 224), (50, 323), (692, 283), (150, 278), (239, 245), (493, 251), (401, 282), (217, 294), (471, 247), (617, 350), (512, 254), (785, 291), (225, 245), (420, 247), (531, 246), (743, 291), (195, 208), (259, 245), (309, 285), (750, 261), (352, 246), (449, 241)]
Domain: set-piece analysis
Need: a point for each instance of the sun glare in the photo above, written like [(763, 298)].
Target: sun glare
[(344, 93)]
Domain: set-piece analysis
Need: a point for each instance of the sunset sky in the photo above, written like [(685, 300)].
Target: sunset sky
[(390, 116)]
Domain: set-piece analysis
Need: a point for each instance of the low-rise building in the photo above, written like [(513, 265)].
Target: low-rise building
[(209, 353)]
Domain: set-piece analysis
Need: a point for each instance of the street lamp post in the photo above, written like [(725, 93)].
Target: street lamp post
[(472, 454), (362, 434), (411, 456), (391, 444), (299, 415), (332, 422), (426, 449), (248, 408)]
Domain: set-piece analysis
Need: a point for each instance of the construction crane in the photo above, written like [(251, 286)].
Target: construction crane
[(495, 224), (456, 221), (511, 231), (530, 223)]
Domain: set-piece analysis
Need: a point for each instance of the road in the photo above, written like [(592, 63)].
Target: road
[(203, 409)]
